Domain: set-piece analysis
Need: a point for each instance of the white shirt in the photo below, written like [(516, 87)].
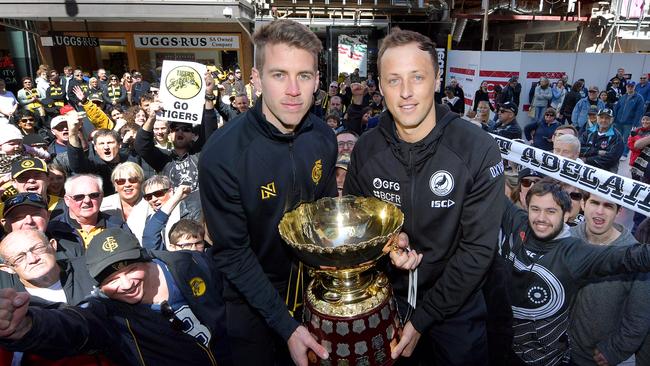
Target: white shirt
[(53, 293)]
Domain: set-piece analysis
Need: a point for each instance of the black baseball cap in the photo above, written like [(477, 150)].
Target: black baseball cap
[(111, 250), (510, 106), (18, 167), (23, 199), (527, 172)]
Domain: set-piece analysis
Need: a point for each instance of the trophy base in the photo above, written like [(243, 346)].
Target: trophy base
[(363, 339)]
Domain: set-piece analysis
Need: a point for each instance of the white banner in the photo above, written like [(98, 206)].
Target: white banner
[(182, 91), (353, 54), (624, 191)]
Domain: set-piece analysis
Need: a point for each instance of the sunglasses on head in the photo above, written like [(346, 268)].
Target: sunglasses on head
[(122, 181), (159, 193), (575, 196), (81, 197), (16, 200), (527, 182)]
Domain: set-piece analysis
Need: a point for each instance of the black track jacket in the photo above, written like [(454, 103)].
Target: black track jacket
[(449, 186), (250, 175)]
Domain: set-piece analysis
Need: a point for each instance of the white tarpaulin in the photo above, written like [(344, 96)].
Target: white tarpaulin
[(353, 53), (182, 91)]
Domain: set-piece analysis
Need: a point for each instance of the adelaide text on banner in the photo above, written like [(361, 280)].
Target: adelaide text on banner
[(624, 191)]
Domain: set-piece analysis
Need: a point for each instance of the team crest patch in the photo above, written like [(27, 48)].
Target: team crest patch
[(198, 286), (110, 244), (317, 171), (184, 82), (268, 191), (441, 183), (27, 164)]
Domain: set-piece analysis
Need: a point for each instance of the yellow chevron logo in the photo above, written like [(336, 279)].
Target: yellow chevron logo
[(268, 191)]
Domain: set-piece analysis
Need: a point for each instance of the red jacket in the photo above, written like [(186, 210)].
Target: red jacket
[(640, 133)]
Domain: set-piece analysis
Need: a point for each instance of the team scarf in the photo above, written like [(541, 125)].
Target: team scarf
[(627, 192)]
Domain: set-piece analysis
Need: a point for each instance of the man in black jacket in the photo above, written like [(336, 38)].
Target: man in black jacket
[(418, 158), (254, 169), (152, 308)]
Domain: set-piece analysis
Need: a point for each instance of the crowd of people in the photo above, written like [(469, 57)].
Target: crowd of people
[(128, 239)]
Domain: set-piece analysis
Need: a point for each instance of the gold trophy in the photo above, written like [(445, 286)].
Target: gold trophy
[(349, 305)]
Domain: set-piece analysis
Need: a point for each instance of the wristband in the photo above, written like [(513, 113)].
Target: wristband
[(211, 97)]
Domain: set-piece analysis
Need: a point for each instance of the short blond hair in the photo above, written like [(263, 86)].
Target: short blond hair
[(288, 32), (128, 168)]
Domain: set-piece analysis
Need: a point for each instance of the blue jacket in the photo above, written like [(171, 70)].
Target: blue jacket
[(644, 90), (579, 115), (611, 142), (543, 134), (629, 110)]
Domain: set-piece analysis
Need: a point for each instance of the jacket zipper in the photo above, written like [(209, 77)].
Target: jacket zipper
[(412, 202), (137, 347), (293, 171), (213, 361)]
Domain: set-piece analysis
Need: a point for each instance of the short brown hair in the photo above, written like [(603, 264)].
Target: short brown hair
[(285, 31), (398, 37), (185, 227), (102, 132)]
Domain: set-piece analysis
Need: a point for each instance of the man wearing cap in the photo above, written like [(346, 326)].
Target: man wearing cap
[(507, 125), (59, 128), (181, 165), (28, 211), (602, 146), (94, 112), (139, 88), (579, 114), (527, 178), (628, 112), (543, 131), (29, 175), (232, 86), (151, 308)]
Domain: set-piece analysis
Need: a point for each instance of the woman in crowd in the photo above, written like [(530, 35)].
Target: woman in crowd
[(559, 93), (482, 94), (482, 118), (570, 100), (127, 203), (127, 82), (56, 177), (94, 87), (136, 115), (605, 98), (542, 98)]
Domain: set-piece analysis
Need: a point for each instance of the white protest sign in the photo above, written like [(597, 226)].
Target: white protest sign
[(182, 91), (613, 187)]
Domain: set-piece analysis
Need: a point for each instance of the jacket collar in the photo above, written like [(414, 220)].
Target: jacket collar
[(272, 132)]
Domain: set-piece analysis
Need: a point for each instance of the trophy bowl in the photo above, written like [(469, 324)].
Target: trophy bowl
[(342, 232)]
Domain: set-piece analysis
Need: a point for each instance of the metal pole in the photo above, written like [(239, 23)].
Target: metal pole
[(485, 24)]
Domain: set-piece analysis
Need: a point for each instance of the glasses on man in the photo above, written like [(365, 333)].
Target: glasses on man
[(81, 197), (189, 246), (527, 182), (25, 120), (19, 259), (349, 144), (122, 181), (159, 193), (154, 92), (550, 115)]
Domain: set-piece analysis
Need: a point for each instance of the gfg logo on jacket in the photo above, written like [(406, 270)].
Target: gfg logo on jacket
[(383, 185)]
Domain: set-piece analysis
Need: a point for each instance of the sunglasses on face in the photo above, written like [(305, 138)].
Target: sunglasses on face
[(575, 196), (550, 115), (159, 193), (81, 197), (25, 120), (526, 182), (154, 92), (113, 79), (122, 181), (182, 129)]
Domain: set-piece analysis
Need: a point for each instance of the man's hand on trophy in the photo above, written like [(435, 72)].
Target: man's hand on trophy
[(409, 338), (401, 254), (300, 343)]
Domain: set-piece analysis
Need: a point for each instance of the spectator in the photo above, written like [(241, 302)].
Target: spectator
[(102, 78), (127, 83), (527, 179), (346, 140), (565, 130), (342, 163), (541, 133), (78, 81), (609, 319), (232, 86), (230, 111), (56, 177), (592, 118), (574, 216), (26, 121), (507, 125), (8, 104), (91, 104), (559, 93), (161, 134), (481, 94), (54, 95), (602, 146), (180, 327), (181, 165), (643, 88), (620, 76), (579, 114), (482, 118), (136, 115), (140, 87), (458, 90), (11, 141), (333, 121), (94, 87), (377, 103), (627, 113), (453, 102), (114, 94), (83, 219), (512, 91), (615, 90), (542, 98), (42, 82), (547, 269), (29, 98), (169, 206), (637, 142), (570, 100), (567, 146), (65, 81), (128, 203), (186, 235), (30, 175)]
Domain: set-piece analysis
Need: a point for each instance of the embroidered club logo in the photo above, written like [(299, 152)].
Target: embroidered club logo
[(183, 82), (119, 265), (110, 244), (27, 164), (441, 183), (317, 171), (198, 286), (268, 191)]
